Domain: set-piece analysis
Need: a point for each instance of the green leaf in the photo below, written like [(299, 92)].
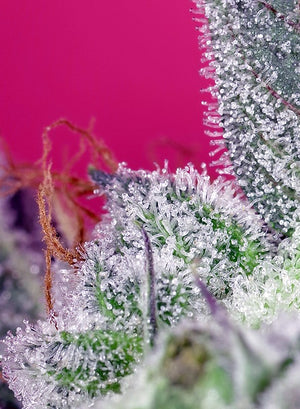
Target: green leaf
[(256, 49)]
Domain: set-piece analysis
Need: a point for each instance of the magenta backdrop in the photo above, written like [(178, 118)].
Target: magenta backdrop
[(131, 65)]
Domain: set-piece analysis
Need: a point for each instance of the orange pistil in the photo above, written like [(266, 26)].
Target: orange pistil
[(59, 193)]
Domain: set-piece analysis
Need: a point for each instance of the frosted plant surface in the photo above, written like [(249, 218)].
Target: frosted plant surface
[(273, 287), (189, 222), (137, 277), (254, 48)]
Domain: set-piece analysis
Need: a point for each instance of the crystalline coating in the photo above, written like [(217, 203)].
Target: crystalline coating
[(256, 56), (272, 288)]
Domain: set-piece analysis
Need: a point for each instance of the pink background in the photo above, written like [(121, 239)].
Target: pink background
[(131, 65)]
